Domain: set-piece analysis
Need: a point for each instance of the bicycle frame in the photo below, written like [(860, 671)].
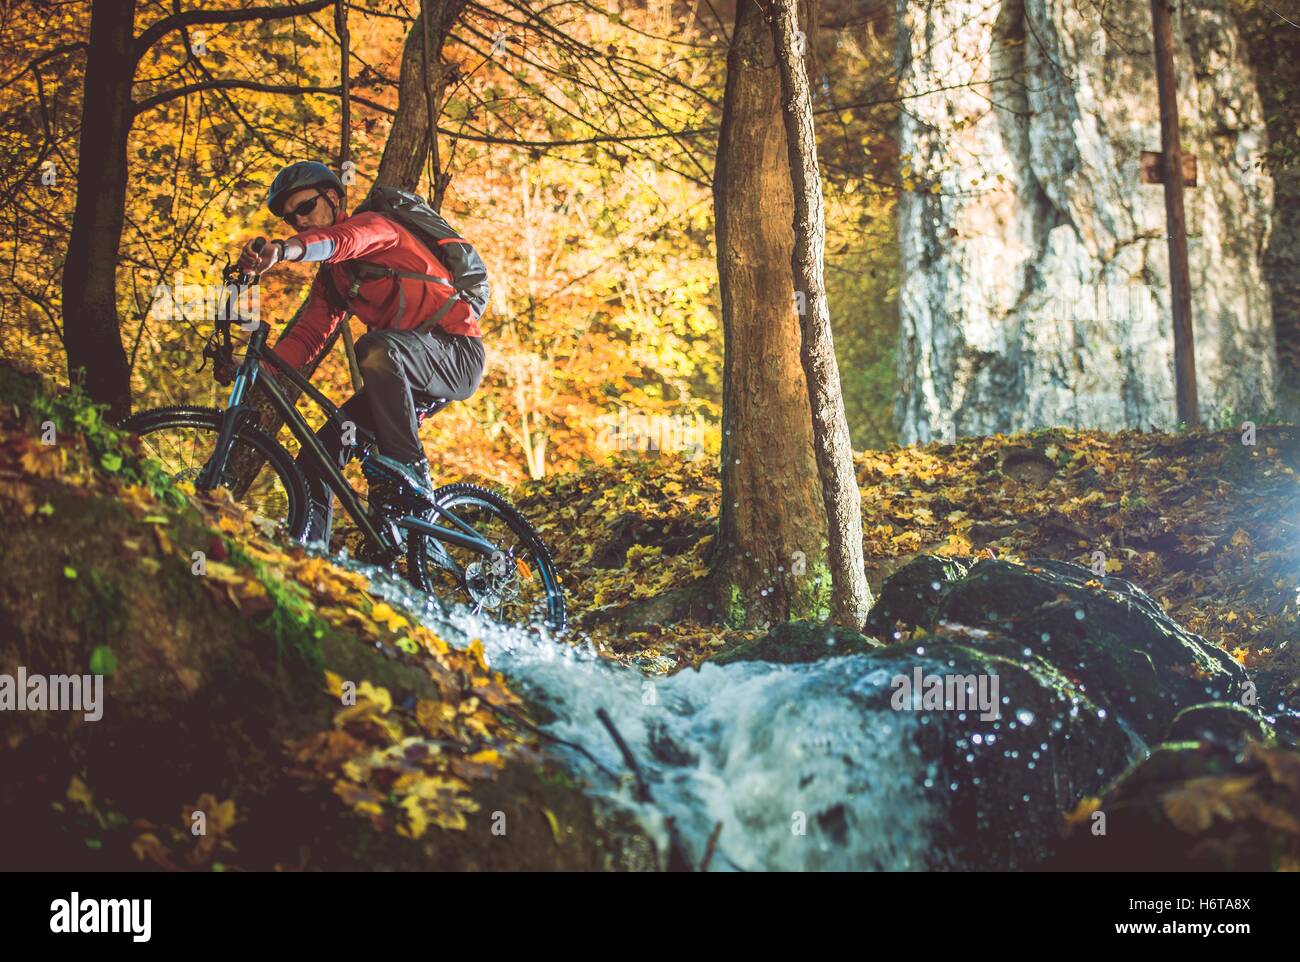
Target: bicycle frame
[(236, 408)]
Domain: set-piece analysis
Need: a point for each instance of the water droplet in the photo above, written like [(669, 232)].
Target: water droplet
[(1045, 636), (1078, 613), (935, 585), (977, 739), (1025, 716)]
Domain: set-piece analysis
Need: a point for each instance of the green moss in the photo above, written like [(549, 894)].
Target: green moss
[(74, 413), (811, 598), (735, 608), (292, 622), (797, 642)]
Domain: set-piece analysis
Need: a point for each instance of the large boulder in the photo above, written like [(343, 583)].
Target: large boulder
[(910, 596), (1107, 634), (994, 786)]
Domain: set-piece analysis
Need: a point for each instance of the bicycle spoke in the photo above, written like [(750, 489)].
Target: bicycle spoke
[(505, 585)]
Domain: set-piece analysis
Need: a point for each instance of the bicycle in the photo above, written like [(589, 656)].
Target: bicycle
[(518, 581)]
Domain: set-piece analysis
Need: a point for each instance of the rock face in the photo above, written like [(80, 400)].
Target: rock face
[(1035, 261)]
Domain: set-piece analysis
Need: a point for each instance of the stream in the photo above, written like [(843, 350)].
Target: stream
[(807, 766)]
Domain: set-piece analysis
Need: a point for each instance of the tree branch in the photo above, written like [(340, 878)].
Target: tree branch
[(150, 102), (192, 18)]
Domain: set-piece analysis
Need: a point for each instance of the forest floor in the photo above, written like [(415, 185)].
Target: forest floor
[(1207, 524)]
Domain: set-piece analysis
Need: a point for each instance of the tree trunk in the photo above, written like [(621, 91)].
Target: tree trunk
[(408, 139), (400, 166), (851, 597), (92, 333), (769, 561)]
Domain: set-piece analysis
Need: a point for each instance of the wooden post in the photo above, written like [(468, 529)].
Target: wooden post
[(1179, 277), (345, 155)]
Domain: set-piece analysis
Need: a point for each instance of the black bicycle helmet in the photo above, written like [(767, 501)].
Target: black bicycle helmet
[(305, 173)]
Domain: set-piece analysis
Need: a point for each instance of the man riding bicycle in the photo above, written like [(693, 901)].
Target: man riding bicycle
[(418, 346)]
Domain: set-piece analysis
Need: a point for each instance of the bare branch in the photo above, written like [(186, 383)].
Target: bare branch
[(191, 18)]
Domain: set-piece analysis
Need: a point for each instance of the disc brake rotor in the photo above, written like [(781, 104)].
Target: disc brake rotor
[(493, 581)]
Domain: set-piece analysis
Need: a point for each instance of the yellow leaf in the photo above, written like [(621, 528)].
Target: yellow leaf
[(1083, 811), (1193, 806), (555, 825), (385, 615), (417, 822), (80, 794)]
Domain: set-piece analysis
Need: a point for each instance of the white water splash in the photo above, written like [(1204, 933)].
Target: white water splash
[(790, 759)]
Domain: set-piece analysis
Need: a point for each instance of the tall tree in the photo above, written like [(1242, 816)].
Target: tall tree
[(92, 327), (851, 597), (769, 558)]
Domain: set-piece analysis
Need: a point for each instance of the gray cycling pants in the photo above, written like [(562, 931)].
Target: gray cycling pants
[(399, 368)]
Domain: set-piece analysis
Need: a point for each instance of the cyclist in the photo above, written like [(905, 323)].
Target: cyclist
[(400, 365)]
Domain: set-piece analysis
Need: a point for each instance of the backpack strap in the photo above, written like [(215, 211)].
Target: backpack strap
[(333, 296), (366, 270)]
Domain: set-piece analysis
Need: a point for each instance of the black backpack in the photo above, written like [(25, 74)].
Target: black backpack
[(468, 272)]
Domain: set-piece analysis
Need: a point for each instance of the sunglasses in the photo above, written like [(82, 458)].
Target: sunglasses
[(305, 208)]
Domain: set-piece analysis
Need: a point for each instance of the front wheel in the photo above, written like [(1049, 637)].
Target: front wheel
[(182, 439), (514, 585)]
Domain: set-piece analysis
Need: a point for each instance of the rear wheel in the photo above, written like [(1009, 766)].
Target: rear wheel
[(183, 438), (516, 584)]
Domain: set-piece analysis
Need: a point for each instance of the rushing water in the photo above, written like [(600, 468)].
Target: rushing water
[(804, 766)]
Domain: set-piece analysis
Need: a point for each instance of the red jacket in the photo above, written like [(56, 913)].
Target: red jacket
[(372, 237)]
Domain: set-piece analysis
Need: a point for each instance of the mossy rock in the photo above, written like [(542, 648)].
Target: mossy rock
[(992, 787), (909, 597), (799, 642), (1107, 634), (1221, 723)]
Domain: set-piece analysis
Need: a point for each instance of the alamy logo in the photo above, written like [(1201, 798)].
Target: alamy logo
[(206, 302), (102, 915), (24, 692), (922, 692)]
